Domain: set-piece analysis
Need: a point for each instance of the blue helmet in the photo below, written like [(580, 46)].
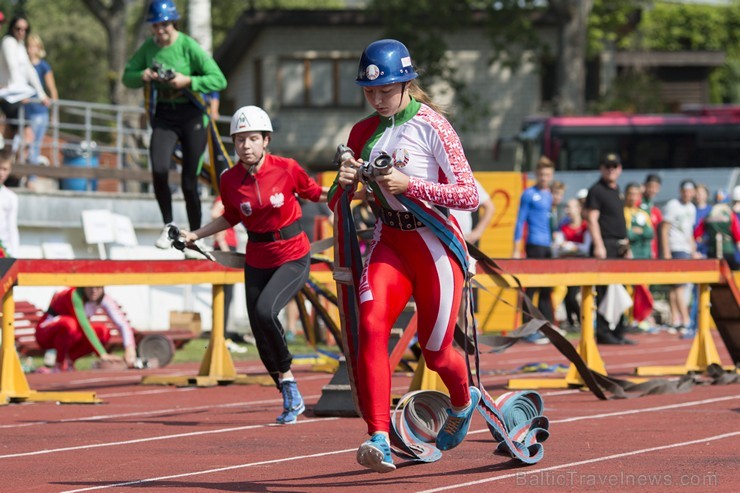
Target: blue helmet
[(383, 62), (162, 11)]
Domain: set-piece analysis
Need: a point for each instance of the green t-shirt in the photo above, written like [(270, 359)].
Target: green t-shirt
[(640, 242), (184, 56)]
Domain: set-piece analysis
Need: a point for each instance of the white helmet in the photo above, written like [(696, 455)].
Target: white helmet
[(736, 194), (250, 119)]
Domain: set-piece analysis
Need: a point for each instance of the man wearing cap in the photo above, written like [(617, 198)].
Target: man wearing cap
[(606, 223), (679, 216)]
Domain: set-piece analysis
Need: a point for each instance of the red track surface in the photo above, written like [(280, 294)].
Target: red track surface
[(152, 439)]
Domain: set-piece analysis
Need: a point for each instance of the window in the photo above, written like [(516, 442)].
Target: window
[(319, 83)]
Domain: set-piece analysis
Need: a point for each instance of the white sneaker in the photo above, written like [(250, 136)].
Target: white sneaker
[(164, 241), (235, 348)]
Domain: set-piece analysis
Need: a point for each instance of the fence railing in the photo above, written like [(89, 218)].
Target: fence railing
[(104, 141)]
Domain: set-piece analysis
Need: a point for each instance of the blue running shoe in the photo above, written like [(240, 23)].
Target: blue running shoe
[(456, 426), (375, 454), (292, 403)]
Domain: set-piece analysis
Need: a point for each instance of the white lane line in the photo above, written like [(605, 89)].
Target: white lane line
[(157, 438), (308, 421), (582, 462), (220, 469), (179, 410), (445, 488), (165, 390), (633, 411), (153, 412)]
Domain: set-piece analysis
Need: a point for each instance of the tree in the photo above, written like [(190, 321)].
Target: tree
[(671, 27), (113, 15), (511, 28), (571, 58)]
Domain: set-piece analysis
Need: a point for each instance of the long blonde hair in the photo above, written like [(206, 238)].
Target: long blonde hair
[(35, 38), (419, 94)]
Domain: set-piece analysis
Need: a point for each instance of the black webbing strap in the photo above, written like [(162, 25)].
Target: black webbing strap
[(598, 383)]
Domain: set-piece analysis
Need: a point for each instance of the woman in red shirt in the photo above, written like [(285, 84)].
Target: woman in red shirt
[(66, 327), (260, 192)]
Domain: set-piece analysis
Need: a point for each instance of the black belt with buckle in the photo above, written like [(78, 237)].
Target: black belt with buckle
[(286, 233), (400, 219)]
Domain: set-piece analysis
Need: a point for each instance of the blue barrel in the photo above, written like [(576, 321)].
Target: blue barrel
[(80, 156)]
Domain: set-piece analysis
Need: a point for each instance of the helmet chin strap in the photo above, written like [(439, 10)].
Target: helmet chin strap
[(252, 169)]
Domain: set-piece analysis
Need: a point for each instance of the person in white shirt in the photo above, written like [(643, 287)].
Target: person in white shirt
[(679, 216), (485, 215), (19, 81), (9, 238)]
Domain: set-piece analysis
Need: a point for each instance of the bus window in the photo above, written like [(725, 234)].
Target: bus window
[(584, 152)]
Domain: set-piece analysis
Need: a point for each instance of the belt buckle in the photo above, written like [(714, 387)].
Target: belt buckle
[(407, 221), (277, 235)]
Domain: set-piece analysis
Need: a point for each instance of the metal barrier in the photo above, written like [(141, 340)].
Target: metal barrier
[(121, 134), (217, 367), (588, 273)]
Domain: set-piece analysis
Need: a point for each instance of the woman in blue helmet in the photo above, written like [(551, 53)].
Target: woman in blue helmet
[(172, 63), (417, 250)]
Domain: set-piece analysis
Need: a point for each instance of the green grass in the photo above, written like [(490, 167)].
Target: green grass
[(194, 350)]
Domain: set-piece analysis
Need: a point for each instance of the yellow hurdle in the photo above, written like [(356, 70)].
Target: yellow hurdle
[(13, 384), (703, 351), (426, 379), (587, 349), (217, 366)]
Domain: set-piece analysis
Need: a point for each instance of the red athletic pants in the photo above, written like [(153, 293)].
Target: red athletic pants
[(403, 264), (64, 333)]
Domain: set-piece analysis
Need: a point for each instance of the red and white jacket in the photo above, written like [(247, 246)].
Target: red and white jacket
[(424, 146)]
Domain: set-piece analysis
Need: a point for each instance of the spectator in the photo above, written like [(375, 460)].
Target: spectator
[(535, 209), (485, 215), (721, 229), (66, 327), (37, 113), (640, 230), (679, 216), (18, 78), (702, 209), (576, 243), (183, 67), (557, 216), (605, 217), (651, 189), (581, 196), (640, 233), (9, 237)]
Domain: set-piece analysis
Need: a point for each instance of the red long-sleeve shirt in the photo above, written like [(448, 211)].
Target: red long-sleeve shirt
[(266, 202)]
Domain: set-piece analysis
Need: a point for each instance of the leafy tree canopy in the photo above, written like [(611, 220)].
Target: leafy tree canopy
[(692, 27)]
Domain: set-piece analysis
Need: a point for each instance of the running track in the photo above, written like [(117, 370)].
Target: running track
[(157, 439)]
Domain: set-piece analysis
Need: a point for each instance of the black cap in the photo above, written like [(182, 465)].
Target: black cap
[(611, 158)]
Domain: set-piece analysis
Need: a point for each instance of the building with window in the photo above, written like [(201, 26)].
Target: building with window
[(300, 66)]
